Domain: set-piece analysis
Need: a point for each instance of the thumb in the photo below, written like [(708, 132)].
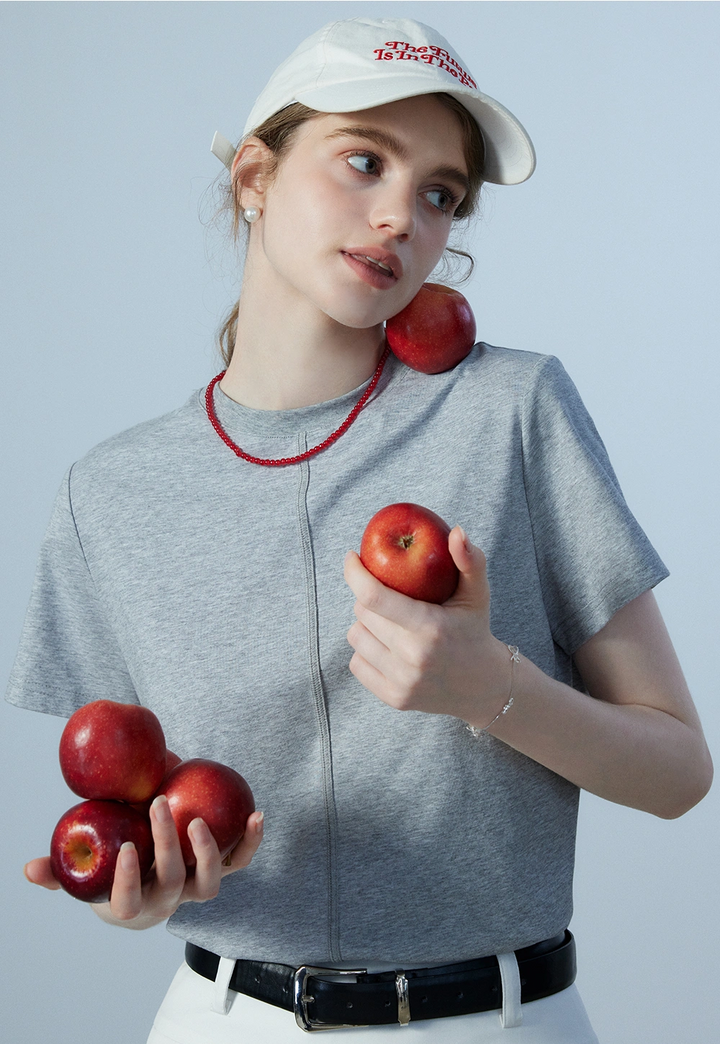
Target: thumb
[(473, 589), (38, 872)]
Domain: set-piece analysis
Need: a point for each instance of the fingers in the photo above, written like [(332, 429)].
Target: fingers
[(160, 898), (473, 590), (247, 846), (410, 613), (38, 872), (375, 596), (365, 642), (126, 897), (205, 884), (210, 868), (460, 549), (373, 679), (169, 862), (136, 904)]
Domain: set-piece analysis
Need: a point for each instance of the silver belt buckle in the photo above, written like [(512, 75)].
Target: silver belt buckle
[(301, 998)]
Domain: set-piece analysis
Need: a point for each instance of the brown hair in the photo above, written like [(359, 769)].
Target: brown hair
[(278, 131)]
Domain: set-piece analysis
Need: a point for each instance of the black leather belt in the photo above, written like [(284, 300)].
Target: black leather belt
[(320, 1001)]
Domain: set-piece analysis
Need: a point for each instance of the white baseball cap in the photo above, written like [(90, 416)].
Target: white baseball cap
[(363, 62)]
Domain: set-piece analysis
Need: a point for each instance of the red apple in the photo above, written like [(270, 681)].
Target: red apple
[(171, 760), (406, 547), (435, 331), (113, 750), (216, 793), (86, 842)]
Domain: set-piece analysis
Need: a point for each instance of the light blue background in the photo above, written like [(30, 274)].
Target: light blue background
[(112, 291)]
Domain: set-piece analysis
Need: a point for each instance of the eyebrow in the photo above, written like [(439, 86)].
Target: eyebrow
[(393, 145)]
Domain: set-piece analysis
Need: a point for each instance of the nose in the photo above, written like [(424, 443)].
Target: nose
[(395, 212)]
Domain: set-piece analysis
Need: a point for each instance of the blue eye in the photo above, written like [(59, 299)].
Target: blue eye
[(441, 199), (364, 163)]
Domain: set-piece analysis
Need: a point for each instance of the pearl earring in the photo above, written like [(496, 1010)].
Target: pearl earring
[(251, 214)]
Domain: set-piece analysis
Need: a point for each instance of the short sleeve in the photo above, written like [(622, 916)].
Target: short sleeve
[(592, 555), (68, 653)]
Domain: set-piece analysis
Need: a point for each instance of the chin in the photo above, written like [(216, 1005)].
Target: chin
[(365, 315), (357, 324), (356, 317)]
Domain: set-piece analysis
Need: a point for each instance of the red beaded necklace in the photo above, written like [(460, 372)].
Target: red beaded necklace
[(212, 417)]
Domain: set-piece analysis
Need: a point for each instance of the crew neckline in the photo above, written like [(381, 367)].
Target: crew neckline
[(321, 417)]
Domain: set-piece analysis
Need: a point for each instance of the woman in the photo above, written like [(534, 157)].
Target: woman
[(209, 588)]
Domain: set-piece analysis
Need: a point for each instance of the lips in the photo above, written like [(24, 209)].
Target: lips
[(381, 261), (372, 261)]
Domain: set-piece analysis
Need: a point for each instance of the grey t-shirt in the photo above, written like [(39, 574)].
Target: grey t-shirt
[(211, 590)]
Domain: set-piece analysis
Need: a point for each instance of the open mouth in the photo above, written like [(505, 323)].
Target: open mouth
[(373, 262), (381, 268)]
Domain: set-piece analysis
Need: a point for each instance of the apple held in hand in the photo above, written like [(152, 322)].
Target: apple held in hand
[(435, 331), (214, 792), (406, 547), (171, 760), (113, 750), (86, 842)]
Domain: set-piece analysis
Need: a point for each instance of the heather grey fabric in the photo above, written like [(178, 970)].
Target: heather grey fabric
[(211, 590)]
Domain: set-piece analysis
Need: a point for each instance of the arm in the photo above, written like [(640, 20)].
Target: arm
[(133, 905), (635, 740)]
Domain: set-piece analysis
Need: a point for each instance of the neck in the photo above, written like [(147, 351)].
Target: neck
[(289, 354)]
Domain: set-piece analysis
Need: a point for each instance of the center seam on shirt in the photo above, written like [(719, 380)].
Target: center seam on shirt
[(333, 930)]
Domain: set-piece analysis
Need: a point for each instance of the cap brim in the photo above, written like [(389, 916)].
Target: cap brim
[(509, 153)]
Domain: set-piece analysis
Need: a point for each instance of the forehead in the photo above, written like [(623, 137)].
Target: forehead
[(410, 127)]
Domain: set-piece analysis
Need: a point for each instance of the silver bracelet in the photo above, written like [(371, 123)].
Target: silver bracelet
[(514, 658)]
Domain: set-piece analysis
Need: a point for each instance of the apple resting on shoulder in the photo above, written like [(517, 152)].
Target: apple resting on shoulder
[(435, 331)]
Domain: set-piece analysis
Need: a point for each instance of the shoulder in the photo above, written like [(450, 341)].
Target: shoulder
[(138, 453), (531, 382), (491, 375), (491, 364), (515, 367)]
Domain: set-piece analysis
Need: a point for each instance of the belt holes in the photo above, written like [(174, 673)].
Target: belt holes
[(459, 996), (424, 1000), (257, 978), (349, 1004), (388, 1003)]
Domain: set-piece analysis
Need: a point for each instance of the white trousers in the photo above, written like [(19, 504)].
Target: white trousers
[(198, 1011)]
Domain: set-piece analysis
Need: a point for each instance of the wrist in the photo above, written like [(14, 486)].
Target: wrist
[(510, 655)]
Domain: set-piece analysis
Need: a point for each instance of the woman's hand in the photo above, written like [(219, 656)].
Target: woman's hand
[(141, 905), (636, 739), (441, 659)]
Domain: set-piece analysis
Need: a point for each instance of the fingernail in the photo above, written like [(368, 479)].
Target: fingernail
[(161, 808), (200, 831), (260, 822), (127, 855)]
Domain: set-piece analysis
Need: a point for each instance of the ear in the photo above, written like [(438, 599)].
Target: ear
[(250, 172)]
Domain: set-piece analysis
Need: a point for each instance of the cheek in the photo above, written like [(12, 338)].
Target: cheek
[(301, 225), (435, 240)]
